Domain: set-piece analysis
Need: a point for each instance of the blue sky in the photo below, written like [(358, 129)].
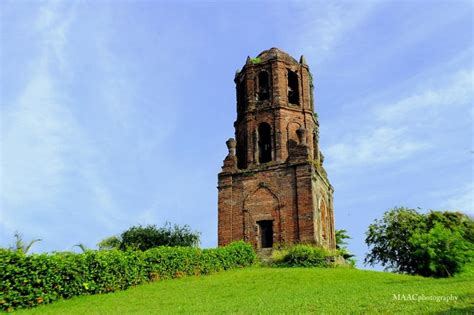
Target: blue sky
[(116, 113)]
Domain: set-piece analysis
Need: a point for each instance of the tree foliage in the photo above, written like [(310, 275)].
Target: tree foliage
[(434, 244), (341, 237), (341, 246), (146, 237)]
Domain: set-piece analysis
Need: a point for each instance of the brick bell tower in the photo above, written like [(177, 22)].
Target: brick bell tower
[(273, 188)]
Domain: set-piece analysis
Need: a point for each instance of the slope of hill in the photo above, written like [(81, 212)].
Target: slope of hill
[(282, 290)]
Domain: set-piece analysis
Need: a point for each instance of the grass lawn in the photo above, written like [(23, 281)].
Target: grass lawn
[(267, 290)]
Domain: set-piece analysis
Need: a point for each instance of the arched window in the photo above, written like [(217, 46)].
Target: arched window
[(263, 86), (293, 92), (264, 143)]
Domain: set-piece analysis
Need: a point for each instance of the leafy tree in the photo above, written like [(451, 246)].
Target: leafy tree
[(341, 236), (388, 239), (341, 245), (143, 238), (146, 237), (433, 244), (440, 252), (452, 221)]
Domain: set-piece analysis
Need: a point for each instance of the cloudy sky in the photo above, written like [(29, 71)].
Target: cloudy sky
[(116, 113)]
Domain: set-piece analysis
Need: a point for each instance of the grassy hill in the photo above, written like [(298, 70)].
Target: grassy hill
[(267, 290)]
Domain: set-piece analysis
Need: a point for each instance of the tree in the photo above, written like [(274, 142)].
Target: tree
[(433, 244), (440, 252), (146, 237), (341, 245)]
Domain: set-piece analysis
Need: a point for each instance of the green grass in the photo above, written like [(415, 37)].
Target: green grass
[(264, 290)]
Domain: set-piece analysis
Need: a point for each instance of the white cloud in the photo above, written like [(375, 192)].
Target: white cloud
[(457, 91), (378, 145), (52, 26), (33, 144), (327, 23), (42, 143), (37, 127), (396, 129)]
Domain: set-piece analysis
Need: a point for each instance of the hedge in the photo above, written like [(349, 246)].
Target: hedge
[(30, 280)]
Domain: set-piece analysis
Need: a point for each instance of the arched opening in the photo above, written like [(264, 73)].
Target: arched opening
[(263, 86), (264, 143), (293, 92)]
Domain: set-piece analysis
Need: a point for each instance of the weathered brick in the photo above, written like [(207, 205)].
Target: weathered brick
[(273, 172)]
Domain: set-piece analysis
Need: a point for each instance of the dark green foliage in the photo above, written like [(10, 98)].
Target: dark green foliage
[(341, 237), (30, 280), (453, 221), (341, 246), (305, 256), (434, 244), (143, 238), (388, 239), (441, 252)]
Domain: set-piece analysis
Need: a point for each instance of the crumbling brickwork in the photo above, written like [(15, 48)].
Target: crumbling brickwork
[(273, 188)]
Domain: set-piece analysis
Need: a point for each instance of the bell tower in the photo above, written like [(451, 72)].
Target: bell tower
[(273, 188)]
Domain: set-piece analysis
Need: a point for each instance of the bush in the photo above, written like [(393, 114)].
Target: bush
[(434, 244), (303, 256), (30, 280)]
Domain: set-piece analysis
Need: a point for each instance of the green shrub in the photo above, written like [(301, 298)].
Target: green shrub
[(303, 256), (30, 280)]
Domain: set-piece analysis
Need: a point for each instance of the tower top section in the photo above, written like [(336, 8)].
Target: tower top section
[(274, 100), (272, 54), (271, 81)]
